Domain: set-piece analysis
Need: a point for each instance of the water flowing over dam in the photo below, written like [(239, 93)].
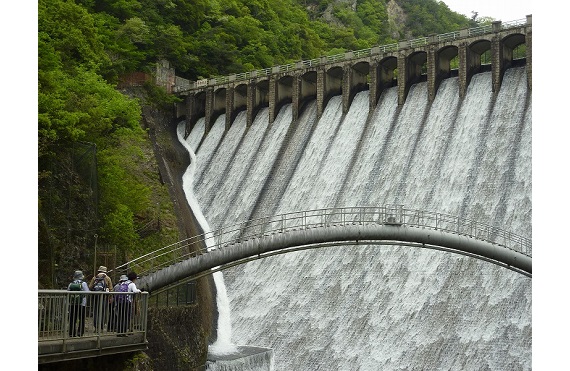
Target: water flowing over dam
[(375, 307)]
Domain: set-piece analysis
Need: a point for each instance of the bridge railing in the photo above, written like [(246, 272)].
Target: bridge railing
[(476, 31), (470, 32), (448, 36), (396, 215), (512, 24)]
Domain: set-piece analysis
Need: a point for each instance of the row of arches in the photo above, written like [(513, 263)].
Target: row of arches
[(403, 68)]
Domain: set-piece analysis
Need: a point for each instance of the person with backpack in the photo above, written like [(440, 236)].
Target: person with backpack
[(77, 305), (124, 303), (101, 303), (132, 276)]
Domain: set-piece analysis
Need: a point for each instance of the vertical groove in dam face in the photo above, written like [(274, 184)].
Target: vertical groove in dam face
[(372, 307)]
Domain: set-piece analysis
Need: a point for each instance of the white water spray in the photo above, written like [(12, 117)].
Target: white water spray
[(223, 343), (370, 308), (363, 308)]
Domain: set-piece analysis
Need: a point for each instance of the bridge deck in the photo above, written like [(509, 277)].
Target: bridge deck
[(89, 346)]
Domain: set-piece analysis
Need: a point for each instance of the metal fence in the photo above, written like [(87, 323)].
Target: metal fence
[(66, 315), (180, 294)]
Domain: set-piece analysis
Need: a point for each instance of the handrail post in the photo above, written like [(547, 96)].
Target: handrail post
[(436, 221)]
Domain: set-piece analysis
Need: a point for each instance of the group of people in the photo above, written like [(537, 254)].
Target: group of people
[(118, 309)]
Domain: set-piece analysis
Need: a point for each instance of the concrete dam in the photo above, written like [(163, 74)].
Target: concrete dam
[(463, 148)]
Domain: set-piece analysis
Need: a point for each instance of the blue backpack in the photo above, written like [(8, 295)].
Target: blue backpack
[(122, 287), (99, 284)]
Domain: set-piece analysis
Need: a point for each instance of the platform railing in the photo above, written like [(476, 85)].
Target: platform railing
[(104, 314), (395, 215)]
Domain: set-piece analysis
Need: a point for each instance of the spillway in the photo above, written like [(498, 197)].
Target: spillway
[(379, 307)]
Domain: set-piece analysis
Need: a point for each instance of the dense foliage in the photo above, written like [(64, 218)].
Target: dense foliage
[(95, 181)]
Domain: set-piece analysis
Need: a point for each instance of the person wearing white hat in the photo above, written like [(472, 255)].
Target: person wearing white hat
[(77, 305), (101, 303), (124, 303)]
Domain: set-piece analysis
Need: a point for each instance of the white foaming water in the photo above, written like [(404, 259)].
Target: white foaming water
[(223, 344), (196, 135), (332, 169), (252, 141), (498, 162), (300, 188), (370, 307), (368, 166), (207, 182), (221, 160), (209, 145), (400, 145), (251, 183), (431, 146), (459, 164)]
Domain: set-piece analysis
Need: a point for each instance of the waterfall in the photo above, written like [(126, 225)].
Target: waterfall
[(223, 344), (380, 307)]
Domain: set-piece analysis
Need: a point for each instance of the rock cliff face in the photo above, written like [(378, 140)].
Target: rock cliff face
[(396, 18), (396, 15), (328, 13)]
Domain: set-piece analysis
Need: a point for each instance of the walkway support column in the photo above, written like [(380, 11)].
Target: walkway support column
[(251, 103), (272, 98), (190, 102), (432, 71), (209, 110), (229, 107), (402, 78), (346, 87), (321, 90), (296, 94), (375, 90), (497, 61), (464, 76), (528, 39)]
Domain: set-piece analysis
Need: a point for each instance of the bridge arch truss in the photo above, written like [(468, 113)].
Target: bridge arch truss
[(383, 225)]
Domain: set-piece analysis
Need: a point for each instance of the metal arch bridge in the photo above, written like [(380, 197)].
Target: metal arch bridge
[(382, 225)]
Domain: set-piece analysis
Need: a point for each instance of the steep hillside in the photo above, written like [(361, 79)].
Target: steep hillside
[(99, 186)]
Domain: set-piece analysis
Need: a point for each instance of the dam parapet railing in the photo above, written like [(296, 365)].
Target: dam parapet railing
[(182, 85)]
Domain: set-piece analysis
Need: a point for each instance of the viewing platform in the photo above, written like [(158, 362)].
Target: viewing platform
[(55, 343)]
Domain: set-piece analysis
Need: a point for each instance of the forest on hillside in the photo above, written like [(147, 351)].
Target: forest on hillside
[(98, 183)]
